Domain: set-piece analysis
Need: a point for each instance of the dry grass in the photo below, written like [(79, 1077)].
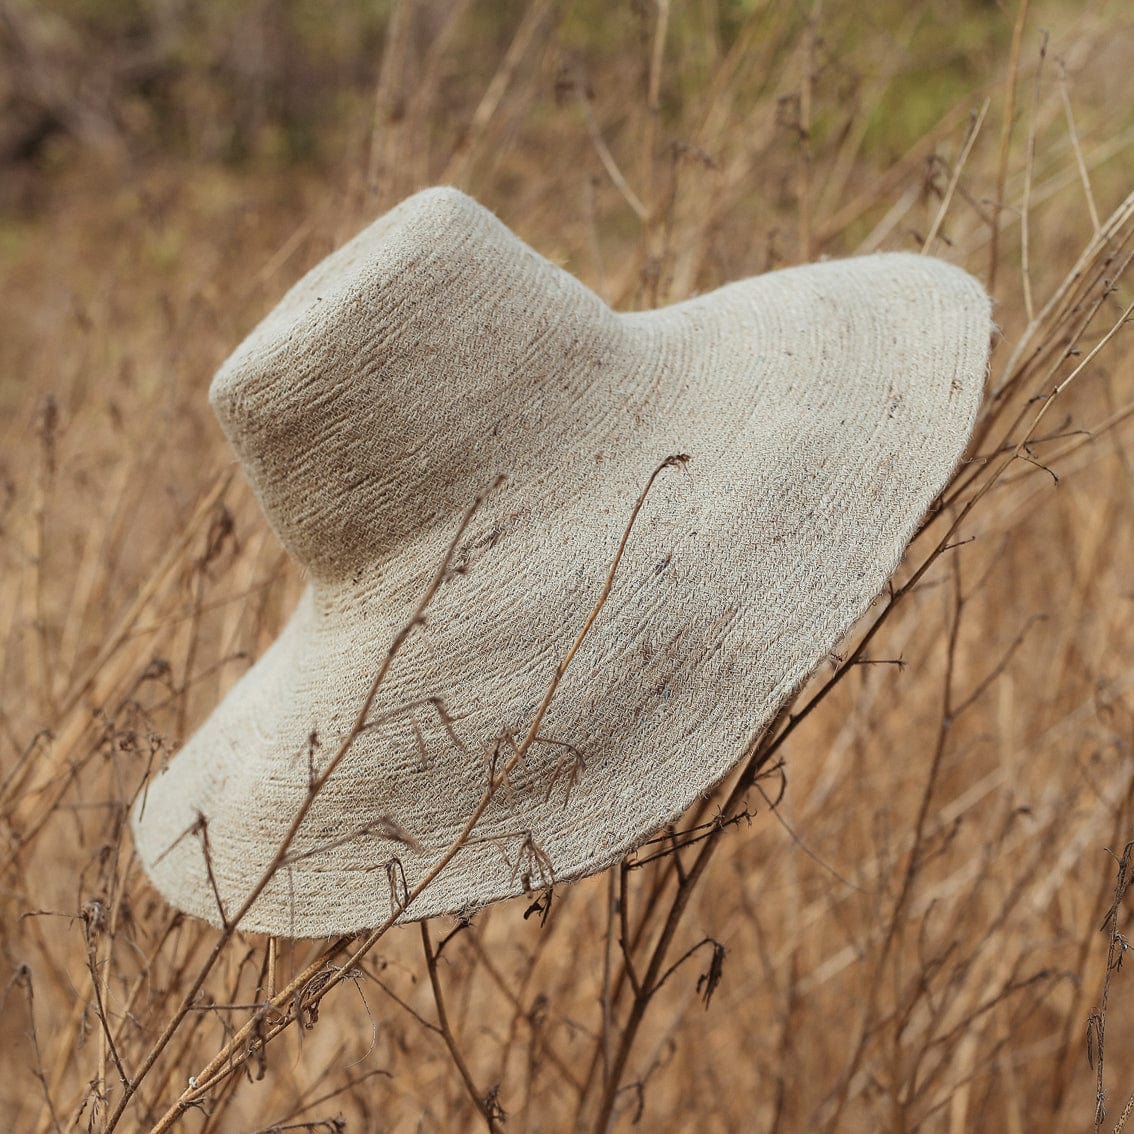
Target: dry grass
[(916, 935)]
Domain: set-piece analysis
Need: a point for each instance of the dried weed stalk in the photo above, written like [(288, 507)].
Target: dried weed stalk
[(955, 770)]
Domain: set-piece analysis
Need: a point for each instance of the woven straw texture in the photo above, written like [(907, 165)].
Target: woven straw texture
[(823, 408)]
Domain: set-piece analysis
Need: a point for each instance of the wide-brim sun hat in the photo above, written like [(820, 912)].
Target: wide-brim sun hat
[(822, 410)]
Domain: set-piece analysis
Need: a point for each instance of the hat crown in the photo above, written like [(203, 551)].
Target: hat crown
[(369, 403)]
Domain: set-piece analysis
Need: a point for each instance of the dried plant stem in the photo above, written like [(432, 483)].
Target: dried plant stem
[(235, 1052), (1070, 296), (1095, 257), (192, 638), (24, 977), (958, 169), (1048, 401), (38, 643), (518, 50), (232, 921), (653, 973), (480, 1098), (305, 1104), (1117, 947), (99, 983), (100, 675), (1026, 203), (1005, 142), (615, 174), (607, 961), (1080, 164), (807, 82), (1124, 1117), (896, 914), (70, 1034), (653, 110), (1070, 1045), (562, 1068)]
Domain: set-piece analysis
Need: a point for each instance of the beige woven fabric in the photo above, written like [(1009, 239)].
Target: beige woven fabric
[(823, 409)]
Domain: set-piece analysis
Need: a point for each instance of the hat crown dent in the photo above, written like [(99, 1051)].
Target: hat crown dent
[(404, 373)]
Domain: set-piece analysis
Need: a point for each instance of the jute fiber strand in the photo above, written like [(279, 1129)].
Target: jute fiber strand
[(822, 408)]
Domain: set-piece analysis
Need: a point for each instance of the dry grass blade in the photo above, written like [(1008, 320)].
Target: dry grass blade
[(941, 792)]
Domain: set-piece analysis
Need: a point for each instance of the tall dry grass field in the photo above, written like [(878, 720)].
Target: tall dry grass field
[(906, 910)]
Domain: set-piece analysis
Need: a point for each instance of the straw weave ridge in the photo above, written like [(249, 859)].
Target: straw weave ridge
[(823, 408)]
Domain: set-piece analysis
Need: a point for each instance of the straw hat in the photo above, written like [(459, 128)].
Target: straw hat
[(822, 408)]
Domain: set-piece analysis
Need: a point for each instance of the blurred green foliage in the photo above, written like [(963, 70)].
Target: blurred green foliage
[(222, 80), (233, 81)]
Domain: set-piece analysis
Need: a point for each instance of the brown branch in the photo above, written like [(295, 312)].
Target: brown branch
[(489, 1111), (233, 1055), (1117, 947), (301, 813), (1005, 142)]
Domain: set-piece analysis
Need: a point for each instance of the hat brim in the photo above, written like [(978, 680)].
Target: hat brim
[(823, 409)]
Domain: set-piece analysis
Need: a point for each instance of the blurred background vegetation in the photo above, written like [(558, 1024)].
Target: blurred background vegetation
[(132, 103), (274, 82), (169, 167), (268, 84)]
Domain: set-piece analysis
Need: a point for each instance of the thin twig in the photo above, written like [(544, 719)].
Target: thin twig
[(301, 813), (1077, 149), (947, 199), (1005, 142), (1025, 206), (480, 1099), (235, 1053)]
